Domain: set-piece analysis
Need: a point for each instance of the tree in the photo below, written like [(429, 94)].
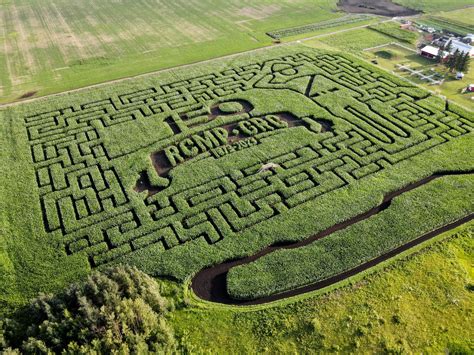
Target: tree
[(451, 63), (459, 61), (439, 56), (119, 310), (464, 62)]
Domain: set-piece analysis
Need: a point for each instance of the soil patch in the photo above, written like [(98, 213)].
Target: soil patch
[(211, 284), (376, 7), (28, 94), (216, 111)]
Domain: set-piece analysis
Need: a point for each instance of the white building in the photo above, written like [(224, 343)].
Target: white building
[(462, 47)]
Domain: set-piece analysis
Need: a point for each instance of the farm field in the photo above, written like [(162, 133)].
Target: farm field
[(390, 52), (183, 170), (436, 5), (354, 41), (233, 177), (347, 21), (463, 16), (419, 304), (392, 29), (49, 46), (457, 21)]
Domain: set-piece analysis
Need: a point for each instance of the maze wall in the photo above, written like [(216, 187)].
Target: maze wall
[(82, 197)]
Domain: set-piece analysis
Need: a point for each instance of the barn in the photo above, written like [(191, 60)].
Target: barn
[(429, 52)]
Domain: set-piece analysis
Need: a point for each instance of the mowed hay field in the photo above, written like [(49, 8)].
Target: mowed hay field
[(54, 45), (435, 5)]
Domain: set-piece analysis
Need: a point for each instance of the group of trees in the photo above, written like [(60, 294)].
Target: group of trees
[(458, 60), (120, 310)]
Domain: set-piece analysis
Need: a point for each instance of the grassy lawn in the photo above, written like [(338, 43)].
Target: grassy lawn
[(417, 305), (49, 46), (388, 57), (464, 16)]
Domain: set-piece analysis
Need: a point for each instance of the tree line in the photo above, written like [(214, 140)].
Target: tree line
[(458, 60)]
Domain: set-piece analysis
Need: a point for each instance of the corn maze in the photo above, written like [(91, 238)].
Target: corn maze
[(238, 147)]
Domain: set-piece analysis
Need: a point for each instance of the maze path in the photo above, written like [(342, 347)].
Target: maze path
[(82, 197)]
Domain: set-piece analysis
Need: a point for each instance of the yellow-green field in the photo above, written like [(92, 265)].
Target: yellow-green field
[(282, 187), (49, 46), (435, 5), (419, 305), (463, 15)]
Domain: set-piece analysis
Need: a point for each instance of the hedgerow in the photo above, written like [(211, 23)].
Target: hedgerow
[(132, 173)]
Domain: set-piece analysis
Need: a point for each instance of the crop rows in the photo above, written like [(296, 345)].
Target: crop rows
[(405, 220), (361, 122), (393, 30), (344, 20)]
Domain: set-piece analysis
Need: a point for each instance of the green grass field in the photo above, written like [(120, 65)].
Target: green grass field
[(392, 29), (185, 169), (54, 45), (457, 21), (463, 16), (420, 304), (49, 46), (354, 41), (435, 5)]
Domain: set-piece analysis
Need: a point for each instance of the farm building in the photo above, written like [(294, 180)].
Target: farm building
[(462, 47), (429, 52)]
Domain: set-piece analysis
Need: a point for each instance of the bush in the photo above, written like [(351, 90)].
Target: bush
[(119, 310)]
